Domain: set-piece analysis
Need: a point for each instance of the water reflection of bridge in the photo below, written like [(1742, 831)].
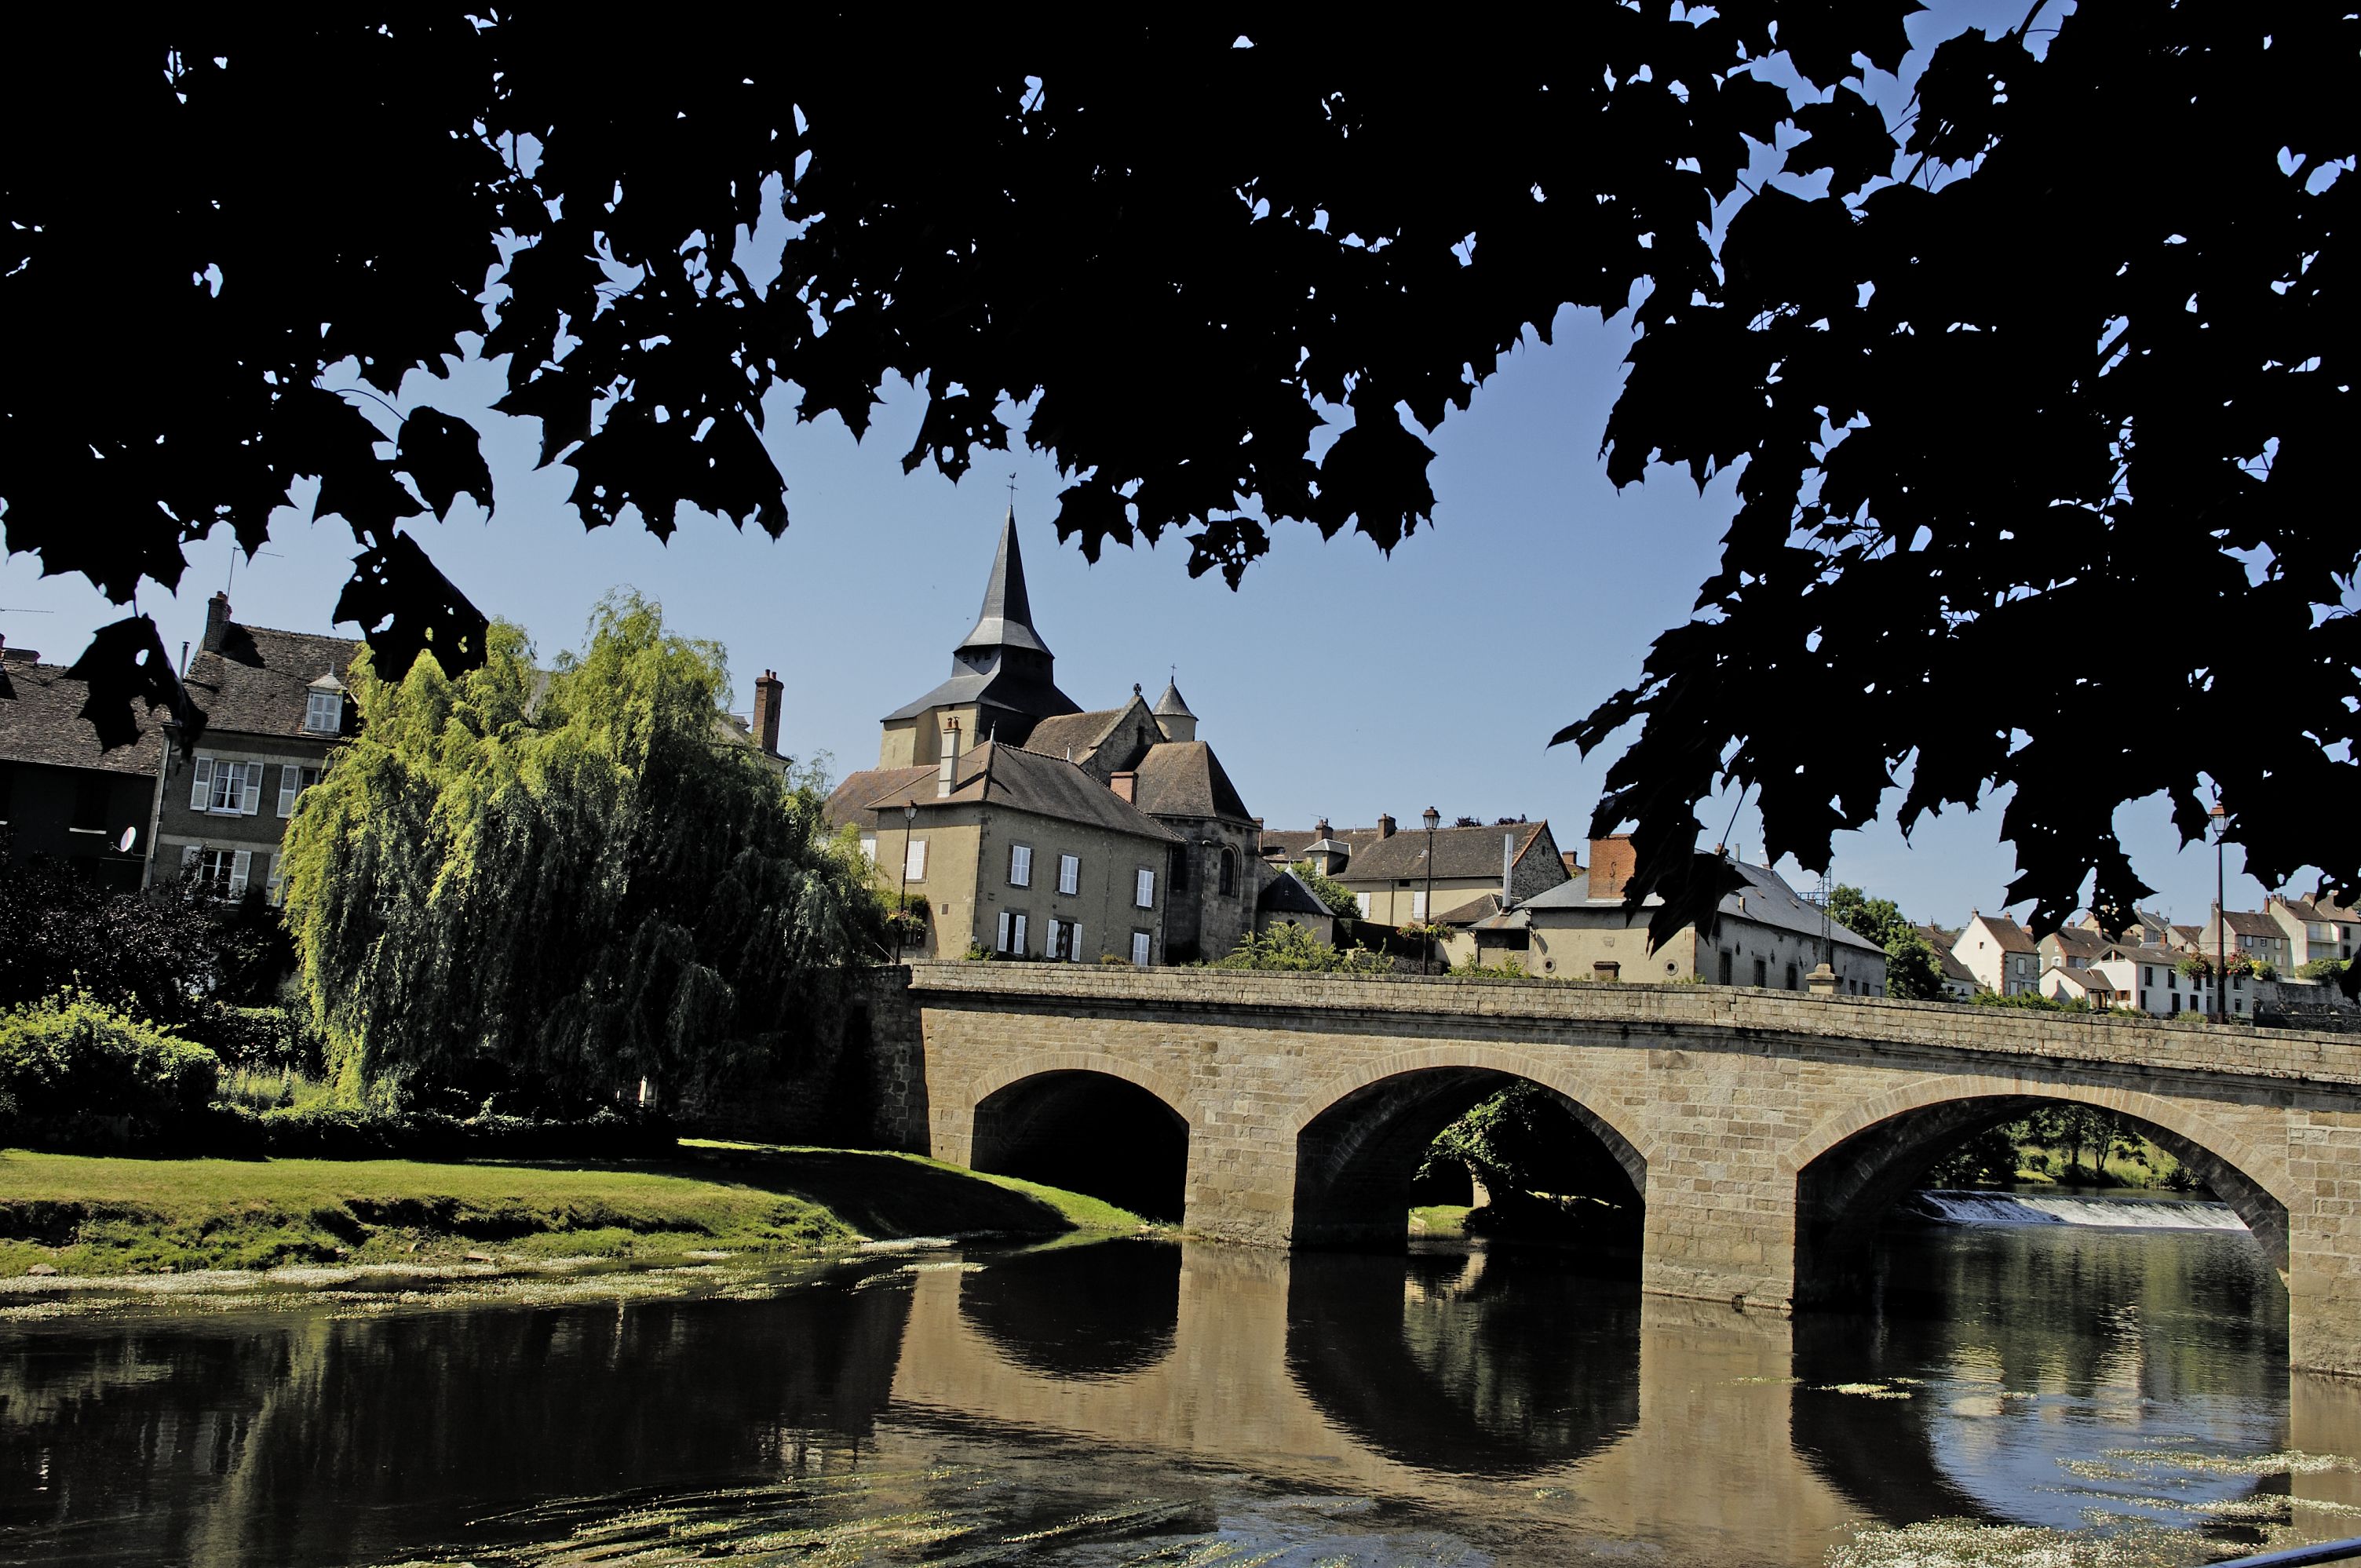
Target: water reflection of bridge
[(1675, 1418)]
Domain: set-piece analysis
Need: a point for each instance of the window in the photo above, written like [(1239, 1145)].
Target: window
[(1139, 943), (1055, 948), (1069, 873), (1725, 966), (1763, 973), (1020, 865), (235, 787), (274, 887), (1229, 873), (293, 781), (1418, 904), (2176, 1006), (1363, 900), (913, 861), (1065, 941), (221, 873), (1606, 969), (2143, 1000), (324, 712), (1143, 891), (1791, 977), (1012, 933), (869, 848)]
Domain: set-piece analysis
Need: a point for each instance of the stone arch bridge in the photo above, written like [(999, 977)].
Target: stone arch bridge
[(1763, 1133)]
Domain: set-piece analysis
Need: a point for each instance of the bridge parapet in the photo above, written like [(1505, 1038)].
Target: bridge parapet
[(1702, 1016)]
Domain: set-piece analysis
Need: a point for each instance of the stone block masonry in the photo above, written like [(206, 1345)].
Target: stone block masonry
[(1754, 1125)]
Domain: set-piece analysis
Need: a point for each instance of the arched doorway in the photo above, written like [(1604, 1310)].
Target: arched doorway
[(1087, 1132), (1356, 1159)]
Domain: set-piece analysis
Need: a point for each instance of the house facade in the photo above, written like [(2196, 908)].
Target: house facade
[(2315, 928), (2256, 934), (1999, 953), (63, 798), (276, 705)]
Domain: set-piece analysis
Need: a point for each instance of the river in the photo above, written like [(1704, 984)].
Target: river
[(1154, 1402)]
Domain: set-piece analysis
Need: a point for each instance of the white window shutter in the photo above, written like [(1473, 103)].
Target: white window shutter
[(1363, 900), (1017, 931), (291, 784), (239, 864), (202, 785), (1002, 945), (913, 861), (1055, 930), (1139, 948), (253, 802), (1143, 891), (271, 887), (1069, 873), (1074, 942), (1418, 904)]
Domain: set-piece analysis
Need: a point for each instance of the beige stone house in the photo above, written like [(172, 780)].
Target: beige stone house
[(1764, 934), (275, 705), (2315, 928), (1135, 777), (2249, 931), (1391, 876)]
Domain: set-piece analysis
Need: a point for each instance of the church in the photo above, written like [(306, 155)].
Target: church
[(1023, 825)]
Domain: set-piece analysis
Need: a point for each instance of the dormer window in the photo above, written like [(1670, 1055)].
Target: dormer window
[(324, 706)]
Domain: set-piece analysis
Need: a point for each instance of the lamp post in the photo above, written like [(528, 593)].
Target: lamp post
[(1432, 818), (2221, 918), (902, 909)]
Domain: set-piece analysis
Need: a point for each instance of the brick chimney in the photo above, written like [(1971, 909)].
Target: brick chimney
[(769, 692), (1125, 784), (1385, 826), (216, 621), (1612, 865)]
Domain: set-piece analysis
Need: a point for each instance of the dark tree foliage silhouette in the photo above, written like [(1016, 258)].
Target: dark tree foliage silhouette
[(2034, 405)]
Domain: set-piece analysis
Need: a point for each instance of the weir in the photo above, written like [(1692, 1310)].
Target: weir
[(1765, 1134)]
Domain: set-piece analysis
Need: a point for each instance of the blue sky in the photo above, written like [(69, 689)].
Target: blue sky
[(1334, 682)]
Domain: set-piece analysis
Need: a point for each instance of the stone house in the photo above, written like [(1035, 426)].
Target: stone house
[(1143, 763), (1287, 899), (2315, 928), (1391, 875), (1958, 981), (2248, 931), (62, 797), (1999, 953), (1020, 855), (1764, 934), (275, 705)]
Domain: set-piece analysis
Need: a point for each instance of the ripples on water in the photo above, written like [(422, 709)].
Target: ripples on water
[(2045, 1393)]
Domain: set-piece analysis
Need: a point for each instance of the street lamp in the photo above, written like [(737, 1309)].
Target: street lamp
[(2221, 918), (1431, 819), (902, 910)]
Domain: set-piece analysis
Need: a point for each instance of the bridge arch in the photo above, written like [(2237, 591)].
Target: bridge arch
[(1850, 1169), (1089, 1123), (1360, 1135)]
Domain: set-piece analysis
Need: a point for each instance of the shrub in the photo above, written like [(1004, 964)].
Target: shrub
[(2321, 968), (74, 1071), (1294, 947), (262, 1038)]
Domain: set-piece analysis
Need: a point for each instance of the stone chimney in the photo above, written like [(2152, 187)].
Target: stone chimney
[(1612, 865), (769, 690), (1508, 871), (216, 621), (1125, 784), (1385, 826)]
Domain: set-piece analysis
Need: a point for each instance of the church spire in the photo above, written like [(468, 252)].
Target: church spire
[(1006, 618)]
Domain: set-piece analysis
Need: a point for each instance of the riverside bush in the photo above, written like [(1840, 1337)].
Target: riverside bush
[(75, 1072)]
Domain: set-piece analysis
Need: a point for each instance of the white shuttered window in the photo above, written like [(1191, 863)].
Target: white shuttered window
[(1020, 865), (1142, 893), (1069, 873), (913, 861), (253, 801), (1074, 942), (1139, 948), (1057, 947), (201, 784), (1012, 933)]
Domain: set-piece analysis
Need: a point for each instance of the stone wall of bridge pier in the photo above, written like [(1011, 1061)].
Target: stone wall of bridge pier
[(1757, 1127)]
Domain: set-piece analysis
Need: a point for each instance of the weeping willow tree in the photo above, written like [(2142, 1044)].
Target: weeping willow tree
[(574, 879)]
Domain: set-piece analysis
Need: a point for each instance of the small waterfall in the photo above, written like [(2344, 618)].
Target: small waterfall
[(2040, 1209)]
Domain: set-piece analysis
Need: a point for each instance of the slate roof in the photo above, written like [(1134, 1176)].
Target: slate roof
[(2192, 935), (1019, 780), (1766, 900), (1290, 843), (260, 680), (1287, 894), (1006, 618), (851, 801), (41, 722), (1183, 778), (1171, 705), (2248, 923), (1459, 852), (1481, 907), (1003, 663), (1082, 731), (2079, 944), (1948, 962)]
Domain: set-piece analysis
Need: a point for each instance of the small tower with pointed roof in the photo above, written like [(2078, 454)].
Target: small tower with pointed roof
[(1172, 714), (1003, 678)]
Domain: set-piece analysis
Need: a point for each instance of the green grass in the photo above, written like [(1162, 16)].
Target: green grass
[(108, 1216), (1439, 1220)]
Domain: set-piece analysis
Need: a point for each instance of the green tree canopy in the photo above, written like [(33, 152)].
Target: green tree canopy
[(579, 875), (1339, 898), (1912, 970), (1294, 948), (1292, 252)]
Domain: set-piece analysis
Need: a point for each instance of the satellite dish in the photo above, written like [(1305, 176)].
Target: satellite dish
[(130, 837)]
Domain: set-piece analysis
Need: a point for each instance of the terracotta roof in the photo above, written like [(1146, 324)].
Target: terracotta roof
[(1459, 852), (2012, 936), (259, 682), (1011, 776), (41, 722), (1183, 778)]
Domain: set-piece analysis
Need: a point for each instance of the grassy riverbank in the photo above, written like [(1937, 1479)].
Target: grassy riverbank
[(80, 1215)]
